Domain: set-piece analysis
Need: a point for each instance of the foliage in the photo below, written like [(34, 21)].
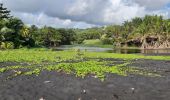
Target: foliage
[(34, 61), (106, 40), (7, 45), (151, 31), (13, 30), (148, 32), (4, 13), (87, 34), (52, 37)]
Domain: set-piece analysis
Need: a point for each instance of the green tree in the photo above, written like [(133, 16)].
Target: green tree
[(4, 13)]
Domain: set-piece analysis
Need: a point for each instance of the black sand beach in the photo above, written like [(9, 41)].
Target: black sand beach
[(60, 86)]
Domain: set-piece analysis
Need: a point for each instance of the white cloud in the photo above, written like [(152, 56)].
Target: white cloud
[(42, 20), (84, 13), (119, 11), (78, 8), (67, 22)]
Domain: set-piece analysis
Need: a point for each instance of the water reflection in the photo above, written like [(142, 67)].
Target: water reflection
[(111, 50), (159, 51), (124, 51)]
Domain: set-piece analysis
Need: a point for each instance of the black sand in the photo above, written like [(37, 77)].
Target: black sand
[(60, 86)]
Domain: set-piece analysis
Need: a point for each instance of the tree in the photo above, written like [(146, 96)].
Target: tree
[(13, 31), (25, 37), (49, 37), (68, 36), (16, 25), (35, 34), (4, 13)]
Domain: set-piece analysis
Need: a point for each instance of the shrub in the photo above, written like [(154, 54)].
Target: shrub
[(7, 45), (107, 41)]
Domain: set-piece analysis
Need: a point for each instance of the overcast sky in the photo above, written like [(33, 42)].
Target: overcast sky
[(84, 13)]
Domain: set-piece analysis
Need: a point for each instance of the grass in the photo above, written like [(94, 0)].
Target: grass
[(101, 46), (72, 62), (95, 43), (33, 55), (40, 55), (125, 56), (92, 42)]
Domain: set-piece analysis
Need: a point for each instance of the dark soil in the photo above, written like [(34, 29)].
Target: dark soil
[(60, 86)]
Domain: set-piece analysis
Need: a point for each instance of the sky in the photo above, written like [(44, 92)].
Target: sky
[(84, 13)]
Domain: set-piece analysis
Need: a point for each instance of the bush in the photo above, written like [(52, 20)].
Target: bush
[(107, 41), (7, 45), (28, 42)]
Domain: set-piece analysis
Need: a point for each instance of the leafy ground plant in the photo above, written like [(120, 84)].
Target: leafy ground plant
[(71, 62)]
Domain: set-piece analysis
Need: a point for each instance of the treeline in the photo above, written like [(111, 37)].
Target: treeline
[(51, 37), (15, 34), (149, 32)]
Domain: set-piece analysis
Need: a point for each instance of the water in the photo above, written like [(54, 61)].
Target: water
[(112, 50)]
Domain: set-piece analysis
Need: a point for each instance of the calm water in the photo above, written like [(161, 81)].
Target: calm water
[(111, 50)]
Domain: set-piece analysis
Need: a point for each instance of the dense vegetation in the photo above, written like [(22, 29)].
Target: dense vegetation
[(149, 32), (15, 34), (80, 63)]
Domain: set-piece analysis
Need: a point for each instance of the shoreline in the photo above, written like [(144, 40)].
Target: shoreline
[(110, 46)]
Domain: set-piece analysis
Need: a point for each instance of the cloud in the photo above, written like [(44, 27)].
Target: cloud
[(152, 4), (42, 20), (84, 13), (118, 11)]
